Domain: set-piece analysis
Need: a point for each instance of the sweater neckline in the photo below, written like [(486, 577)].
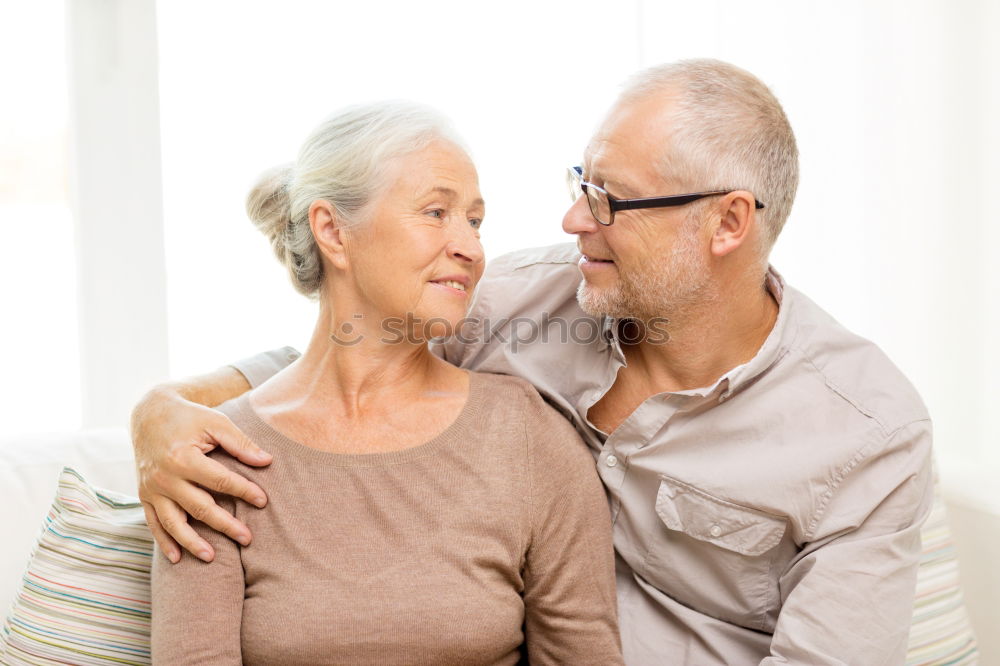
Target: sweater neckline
[(265, 435)]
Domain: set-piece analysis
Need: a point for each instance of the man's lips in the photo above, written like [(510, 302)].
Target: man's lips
[(593, 266)]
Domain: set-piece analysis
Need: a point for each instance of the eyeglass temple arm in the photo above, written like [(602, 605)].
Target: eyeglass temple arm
[(679, 200)]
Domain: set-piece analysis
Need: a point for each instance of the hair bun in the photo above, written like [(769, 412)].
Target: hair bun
[(269, 206)]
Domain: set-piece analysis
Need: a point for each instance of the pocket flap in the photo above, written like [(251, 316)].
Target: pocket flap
[(686, 509)]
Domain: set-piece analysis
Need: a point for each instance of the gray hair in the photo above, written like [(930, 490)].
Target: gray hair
[(728, 132), (344, 161)]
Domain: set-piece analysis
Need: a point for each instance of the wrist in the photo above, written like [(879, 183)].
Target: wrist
[(150, 407)]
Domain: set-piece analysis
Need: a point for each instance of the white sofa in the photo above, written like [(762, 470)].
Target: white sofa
[(29, 471), (30, 466)]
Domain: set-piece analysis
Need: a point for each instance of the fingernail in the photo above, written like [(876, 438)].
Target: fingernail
[(263, 455), (259, 501), (174, 557), (243, 539), (205, 555)]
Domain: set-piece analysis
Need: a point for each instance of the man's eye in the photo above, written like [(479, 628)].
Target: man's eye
[(437, 212), (476, 222)]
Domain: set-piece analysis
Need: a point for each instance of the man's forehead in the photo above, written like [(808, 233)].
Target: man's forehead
[(625, 165), (631, 141)]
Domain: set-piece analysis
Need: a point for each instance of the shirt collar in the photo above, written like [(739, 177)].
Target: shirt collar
[(776, 343), (774, 347)]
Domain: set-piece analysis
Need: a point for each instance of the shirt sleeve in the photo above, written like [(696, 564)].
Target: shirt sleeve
[(569, 580), (848, 597), (261, 367), (198, 606)]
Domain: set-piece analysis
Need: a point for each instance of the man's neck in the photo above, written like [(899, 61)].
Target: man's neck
[(706, 342)]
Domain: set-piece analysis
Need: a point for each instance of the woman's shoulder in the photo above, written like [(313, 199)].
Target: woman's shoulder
[(239, 412), (514, 394), (510, 386), (516, 400)]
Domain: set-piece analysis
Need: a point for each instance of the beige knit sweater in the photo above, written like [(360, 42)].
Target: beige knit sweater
[(491, 539)]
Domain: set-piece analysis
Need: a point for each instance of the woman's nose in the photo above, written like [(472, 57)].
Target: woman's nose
[(466, 246)]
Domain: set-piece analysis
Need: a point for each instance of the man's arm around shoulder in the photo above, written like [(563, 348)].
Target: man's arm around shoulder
[(173, 427)]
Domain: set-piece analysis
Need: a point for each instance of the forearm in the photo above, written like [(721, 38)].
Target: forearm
[(230, 381), (210, 389)]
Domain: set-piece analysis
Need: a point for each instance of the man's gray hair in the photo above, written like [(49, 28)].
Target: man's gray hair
[(345, 161), (728, 132)]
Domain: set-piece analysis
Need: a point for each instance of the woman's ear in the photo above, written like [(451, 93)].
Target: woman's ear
[(327, 229)]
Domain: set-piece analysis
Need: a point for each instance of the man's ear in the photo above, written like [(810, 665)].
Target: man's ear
[(327, 229), (737, 222)]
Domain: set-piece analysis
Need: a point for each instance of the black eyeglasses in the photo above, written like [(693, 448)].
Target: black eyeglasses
[(603, 206)]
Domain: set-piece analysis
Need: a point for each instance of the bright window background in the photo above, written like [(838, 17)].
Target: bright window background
[(893, 104), (40, 377), (514, 86), (889, 101)]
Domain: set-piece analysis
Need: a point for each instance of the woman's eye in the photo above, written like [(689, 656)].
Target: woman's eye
[(476, 222), (437, 212)]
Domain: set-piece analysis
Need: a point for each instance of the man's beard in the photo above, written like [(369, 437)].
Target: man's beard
[(668, 285)]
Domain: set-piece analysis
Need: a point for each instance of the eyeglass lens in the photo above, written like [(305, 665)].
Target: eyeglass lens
[(597, 198)]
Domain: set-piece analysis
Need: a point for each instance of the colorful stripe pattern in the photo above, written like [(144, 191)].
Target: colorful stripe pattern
[(85, 596), (941, 634)]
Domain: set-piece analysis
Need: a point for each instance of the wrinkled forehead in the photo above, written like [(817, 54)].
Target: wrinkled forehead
[(631, 144)]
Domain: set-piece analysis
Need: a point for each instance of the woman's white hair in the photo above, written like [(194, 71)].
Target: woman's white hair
[(344, 161), (728, 132)]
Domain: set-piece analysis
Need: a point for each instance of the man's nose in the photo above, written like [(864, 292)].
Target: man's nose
[(578, 219)]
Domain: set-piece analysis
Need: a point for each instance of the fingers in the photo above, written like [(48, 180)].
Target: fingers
[(173, 520), (174, 472), (213, 475), (167, 545), (201, 507), (237, 444)]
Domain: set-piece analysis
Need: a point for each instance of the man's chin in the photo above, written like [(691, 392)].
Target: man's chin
[(599, 301)]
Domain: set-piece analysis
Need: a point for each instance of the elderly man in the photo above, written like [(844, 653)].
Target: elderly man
[(767, 470)]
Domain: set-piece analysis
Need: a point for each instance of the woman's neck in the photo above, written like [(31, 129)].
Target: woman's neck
[(353, 361)]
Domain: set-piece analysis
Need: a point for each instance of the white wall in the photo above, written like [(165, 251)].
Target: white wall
[(892, 103), (118, 207), (513, 82), (38, 328)]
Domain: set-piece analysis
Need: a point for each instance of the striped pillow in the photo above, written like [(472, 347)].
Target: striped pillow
[(85, 596), (940, 633)]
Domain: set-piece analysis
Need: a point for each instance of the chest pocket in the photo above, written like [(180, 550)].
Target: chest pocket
[(714, 555)]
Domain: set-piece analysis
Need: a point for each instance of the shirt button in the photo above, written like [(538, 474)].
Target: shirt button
[(611, 461), (715, 531)]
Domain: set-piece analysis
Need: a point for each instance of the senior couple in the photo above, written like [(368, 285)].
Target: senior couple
[(761, 473)]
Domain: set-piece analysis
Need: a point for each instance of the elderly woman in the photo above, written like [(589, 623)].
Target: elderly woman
[(418, 513)]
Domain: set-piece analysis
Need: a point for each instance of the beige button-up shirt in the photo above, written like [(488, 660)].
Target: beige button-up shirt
[(772, 517)]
